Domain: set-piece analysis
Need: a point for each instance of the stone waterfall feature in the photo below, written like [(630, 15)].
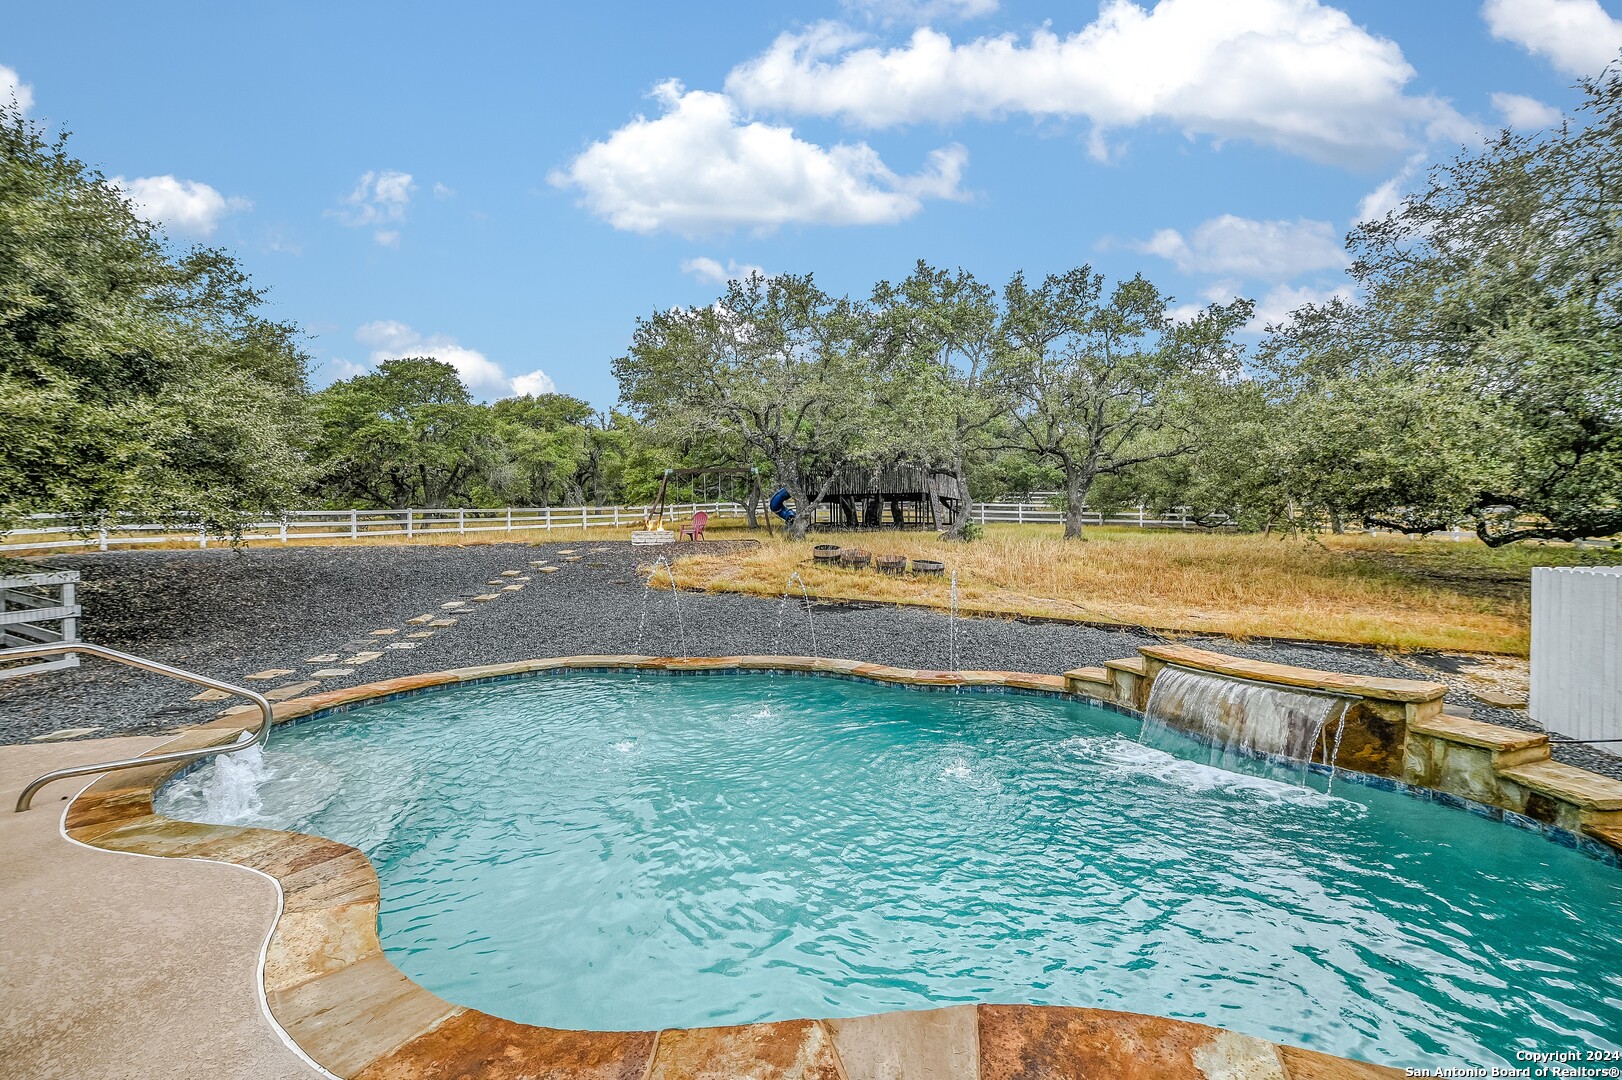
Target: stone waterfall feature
[(1239, 721)]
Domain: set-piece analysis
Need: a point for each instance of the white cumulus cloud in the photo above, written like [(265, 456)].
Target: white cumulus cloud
[(700, 168), (183, 206), (379, 199), (1295, 74), (1576, 36), (1389, 195), (1274, 306), (392, 340), (1246, 248), (1524, 113), (14, 90), (707, 269)]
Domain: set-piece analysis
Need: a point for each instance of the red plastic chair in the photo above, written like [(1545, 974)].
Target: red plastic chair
[(696, 529)]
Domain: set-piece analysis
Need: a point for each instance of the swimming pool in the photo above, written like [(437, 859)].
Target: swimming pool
[(618, 850)]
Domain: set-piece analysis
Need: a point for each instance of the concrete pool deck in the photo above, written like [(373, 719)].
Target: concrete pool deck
[(117, 966)]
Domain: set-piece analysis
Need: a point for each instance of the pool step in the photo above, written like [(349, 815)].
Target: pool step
[(1091, 682)]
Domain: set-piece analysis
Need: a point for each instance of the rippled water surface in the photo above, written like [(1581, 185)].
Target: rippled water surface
[(638, 851)]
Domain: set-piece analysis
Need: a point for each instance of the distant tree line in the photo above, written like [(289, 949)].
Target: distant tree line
[(1474, 381)]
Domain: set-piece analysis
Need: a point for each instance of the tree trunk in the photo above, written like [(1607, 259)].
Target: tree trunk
[(750, 516), (1077, 482)]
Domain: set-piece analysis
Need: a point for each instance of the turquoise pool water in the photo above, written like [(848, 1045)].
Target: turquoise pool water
[(640, 850)]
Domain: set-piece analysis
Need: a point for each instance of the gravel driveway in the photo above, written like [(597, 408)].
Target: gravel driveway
[(232, 613)]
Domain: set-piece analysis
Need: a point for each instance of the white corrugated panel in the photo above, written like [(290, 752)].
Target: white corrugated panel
[(1577, 650)]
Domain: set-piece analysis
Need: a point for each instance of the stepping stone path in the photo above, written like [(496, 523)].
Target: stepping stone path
[(453, 605), (291, 690), (384, 633), (561, 551), (420, 620), (549, 569), (269, 673), (443, 622), (512, 588), (572, 558), (211, 695), (360, 658), (512, 573), (332, 672), (64, 733), (485, 598), (324, 658)]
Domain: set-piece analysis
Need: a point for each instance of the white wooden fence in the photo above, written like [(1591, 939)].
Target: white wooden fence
[(38, 608), (44, 531), (1577, 651), (48, 531)]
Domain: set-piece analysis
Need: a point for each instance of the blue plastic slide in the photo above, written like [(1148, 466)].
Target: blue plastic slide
[(779, 505)]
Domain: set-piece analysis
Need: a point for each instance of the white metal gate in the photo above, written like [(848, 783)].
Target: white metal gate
[(1577, 650)]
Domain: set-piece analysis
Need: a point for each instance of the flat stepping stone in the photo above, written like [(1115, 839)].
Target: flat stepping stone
[(211, 695), (423, 633), (495, 581), (291, 690), (549, 569), (384, 633), (565, 551), (512, 588), (453, 605), (485, 598), (443, 622), (269, 673), (419, 620), (362, 658), (402, 645), (573, 558), (511, 573), (64, 733), (539, 562), (332, 672), (324, 658)]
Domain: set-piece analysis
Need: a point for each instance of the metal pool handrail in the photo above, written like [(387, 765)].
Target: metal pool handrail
[(258, 738)]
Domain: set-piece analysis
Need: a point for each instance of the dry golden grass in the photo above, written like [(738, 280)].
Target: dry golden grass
[(1389, 592)]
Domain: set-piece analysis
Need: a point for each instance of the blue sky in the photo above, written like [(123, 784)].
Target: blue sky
[(510, 186)]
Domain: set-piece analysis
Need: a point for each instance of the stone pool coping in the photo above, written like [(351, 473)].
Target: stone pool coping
[(330, 987)]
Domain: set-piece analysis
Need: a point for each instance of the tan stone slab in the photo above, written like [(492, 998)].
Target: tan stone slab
[(1405, 690), (1606, 834), (512, 573), (474, 1044), (452, 605), (268, 673), (421, 634), (1088, 674), (65, 733), (211, 695), (443, 622), (362, 658), (402, 645), (933, 1044), (420, 620), (573, 558), (565, 551), (1500, 699), (1023, 1041), (384, 632), (309, 944), (1460, 729), (789, 1050), (332, 672), (512, 588), (484, 598), (291, 690), (547, 570), (324, 658), (1133, 664), (1590, 791), (360, 1012), (1310, 1065)]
